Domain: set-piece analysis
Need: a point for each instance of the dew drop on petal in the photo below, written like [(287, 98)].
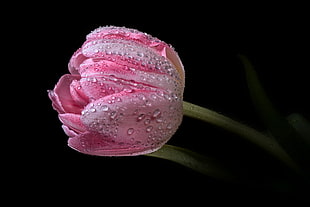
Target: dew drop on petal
[(104, 108), (156, 113), (127, 90), (140, 117), (130, 131), (113, 114), (149, 128), (147, 121)]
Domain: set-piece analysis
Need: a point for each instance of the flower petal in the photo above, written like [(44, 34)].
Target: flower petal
[(137, 122), (126, 53), (108, 75), (69, 132), (62, 95), (123, 96), (176, 61), (72, 121), (128, 34), (75, 61), (93, 144), (78, 94), (55, 101)]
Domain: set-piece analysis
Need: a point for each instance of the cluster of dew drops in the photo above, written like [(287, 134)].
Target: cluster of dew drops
[(156, 123)]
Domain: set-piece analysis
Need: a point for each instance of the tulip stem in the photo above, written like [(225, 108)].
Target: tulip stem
[(265, 142)]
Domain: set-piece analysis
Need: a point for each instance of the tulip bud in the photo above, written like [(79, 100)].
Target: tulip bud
[(123, 95)]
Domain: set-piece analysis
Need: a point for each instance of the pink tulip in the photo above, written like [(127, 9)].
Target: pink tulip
[(123, 95)]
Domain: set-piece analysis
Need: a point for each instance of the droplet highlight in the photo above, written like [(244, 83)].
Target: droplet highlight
[(130, 131)]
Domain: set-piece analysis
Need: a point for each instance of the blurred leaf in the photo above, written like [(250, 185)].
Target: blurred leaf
[(282, 131), (193, 160), (266, 143), (301, 125)]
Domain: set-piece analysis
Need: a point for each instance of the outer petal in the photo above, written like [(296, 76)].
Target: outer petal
[(75, 61), (104, 77), (128, 34), (73, 122), (121, 41), (129, 53), (176, 61), (69, 132), (61, 95), (77, 93), (131, 61), (55, 101), (133, 123), (93, 144)]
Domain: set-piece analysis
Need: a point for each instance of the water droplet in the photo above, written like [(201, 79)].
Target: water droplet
[(159, 120), (92, 110), (130, 131), (147, 121), (156, 113), (140, 54), (148, 103), (141, 97), (113, 114), (153, 96), (140, 117), (149, 128), (104, 108), (84, 111), (128, 90)]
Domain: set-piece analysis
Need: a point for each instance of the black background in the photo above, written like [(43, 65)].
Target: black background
[(208, 39)]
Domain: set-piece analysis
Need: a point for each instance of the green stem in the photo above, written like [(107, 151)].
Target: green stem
[(266, 143)]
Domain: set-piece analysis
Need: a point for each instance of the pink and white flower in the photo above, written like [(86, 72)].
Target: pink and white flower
[(123, 95)]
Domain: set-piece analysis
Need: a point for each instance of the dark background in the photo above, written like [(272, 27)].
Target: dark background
[(208, 39)]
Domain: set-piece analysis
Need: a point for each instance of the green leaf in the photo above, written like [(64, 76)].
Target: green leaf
[(301, 125), (193, 160), (279, 127)]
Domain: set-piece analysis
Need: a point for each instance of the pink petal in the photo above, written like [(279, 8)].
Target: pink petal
[(62, 96), (55, 101), (93, 144), (133, 123), (125, 52), (96, 67), (78, 94), (176, 61), (75, 61), (96, 88), (128, 34), (104, 76), (69, 132), (128, 61), (73, 122), (131, 48)]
